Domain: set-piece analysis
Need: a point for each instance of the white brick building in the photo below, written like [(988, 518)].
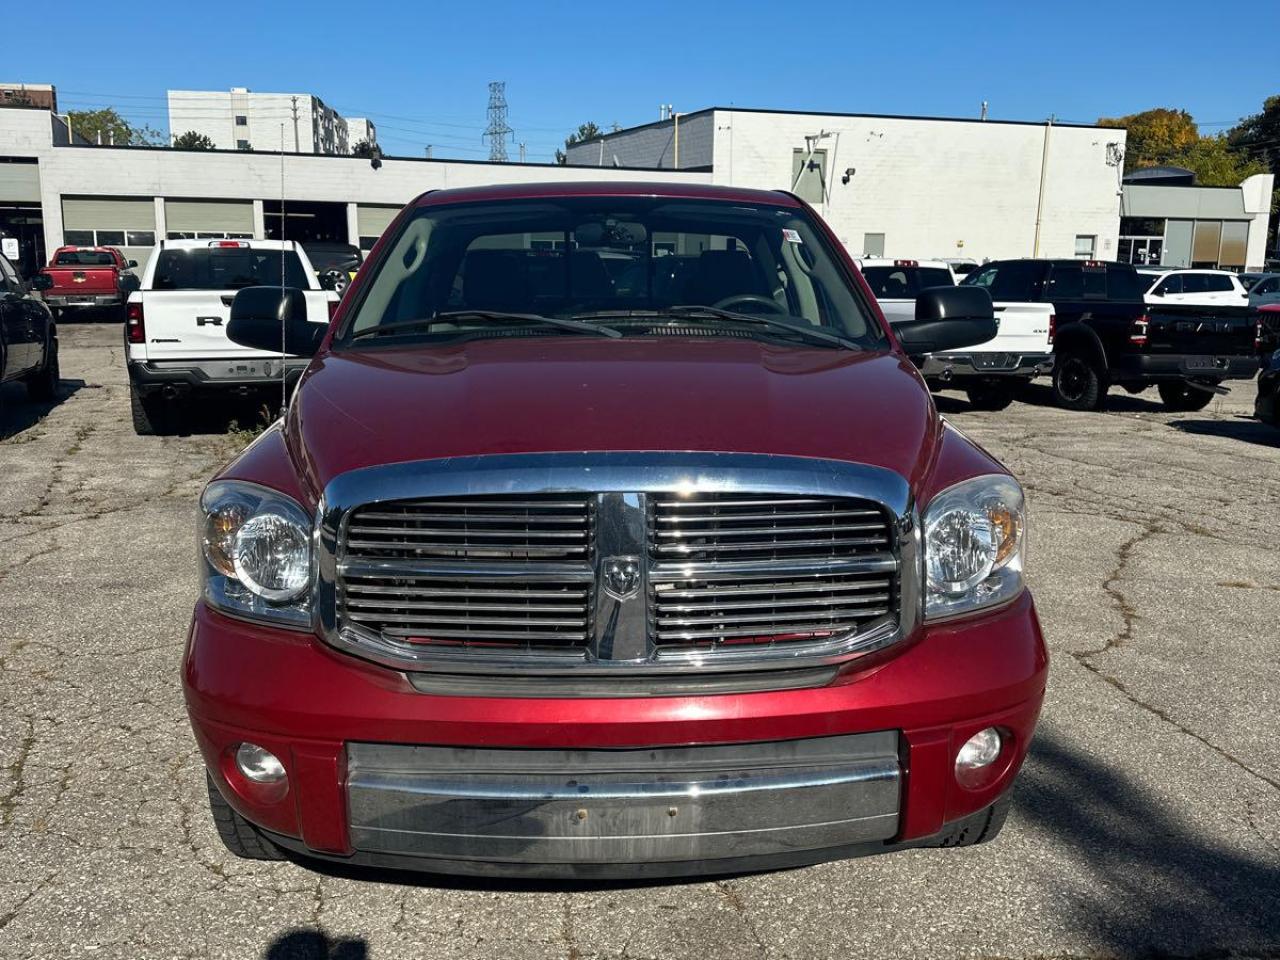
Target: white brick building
[(240, 119), (904, 186)]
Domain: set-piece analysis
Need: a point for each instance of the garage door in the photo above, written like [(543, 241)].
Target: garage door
[(19, 181), (127, 223), (372, 221), (211, 219)]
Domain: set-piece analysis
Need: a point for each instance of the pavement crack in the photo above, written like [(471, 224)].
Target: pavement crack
[(567, 932), (734, 899), (18, 772)]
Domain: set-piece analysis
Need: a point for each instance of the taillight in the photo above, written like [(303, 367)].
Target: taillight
[(135, 331), (906, 263), (1138, 332), (1053, 327)]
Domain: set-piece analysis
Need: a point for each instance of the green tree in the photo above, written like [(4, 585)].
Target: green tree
[(1216, 163), (192, 141), (113, 128), (1157, 137), (1259, 135), (586, 131), (363, 148)]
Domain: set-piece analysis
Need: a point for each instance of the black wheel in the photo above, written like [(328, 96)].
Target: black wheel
[(1179, 396), (981, 827), (152, 415), (44, 385), (989, 396), (236, 833), (1078, 383)]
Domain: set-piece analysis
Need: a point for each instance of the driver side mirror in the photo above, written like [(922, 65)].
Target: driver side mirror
[(274, 318), (948, 318), (41, 281)]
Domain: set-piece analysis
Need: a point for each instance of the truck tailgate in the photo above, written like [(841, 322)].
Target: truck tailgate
[(1199, 331), (192, 324), (82, 281)]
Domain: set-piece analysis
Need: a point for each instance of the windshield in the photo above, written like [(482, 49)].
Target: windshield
[(226, 268), (84, 258), (620, 261)]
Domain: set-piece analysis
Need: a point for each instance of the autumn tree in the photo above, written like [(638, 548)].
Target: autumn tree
[(586, 131), (1156, 137)]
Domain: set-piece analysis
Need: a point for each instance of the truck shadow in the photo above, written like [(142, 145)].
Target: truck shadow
[(19, 413), (1244, 429), (1157, 885), (316, 945)]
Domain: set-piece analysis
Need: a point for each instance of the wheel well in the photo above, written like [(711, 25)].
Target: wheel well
[(1080, 339)]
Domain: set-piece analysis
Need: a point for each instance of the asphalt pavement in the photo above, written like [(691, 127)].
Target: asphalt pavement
[(1146, 822)]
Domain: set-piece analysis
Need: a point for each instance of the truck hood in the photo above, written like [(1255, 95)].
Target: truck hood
[(555, 394)]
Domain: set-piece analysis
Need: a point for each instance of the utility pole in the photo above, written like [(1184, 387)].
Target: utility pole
[(497, 132), (428, 149), (296, 148), (1044, 169), (522, 146)]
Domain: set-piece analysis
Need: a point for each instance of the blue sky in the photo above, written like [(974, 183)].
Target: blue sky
[(420, 70)]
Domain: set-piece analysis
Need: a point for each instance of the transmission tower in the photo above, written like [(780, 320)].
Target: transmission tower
[(498, 131)]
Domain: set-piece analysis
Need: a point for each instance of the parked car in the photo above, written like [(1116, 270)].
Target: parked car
[(989, 373), (176, 326), (1267, 407), (335, 264), (1107, 335), (1249, 279), (1265, 290), (1202, 288), (547, 573), (88, 277), (28, 334)]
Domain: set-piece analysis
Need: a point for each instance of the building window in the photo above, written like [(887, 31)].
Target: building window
[(873, 244), (241, 120), (139, 238), (1086, 245), (78, 238), (809, 175), (109, 238), (242, 144)]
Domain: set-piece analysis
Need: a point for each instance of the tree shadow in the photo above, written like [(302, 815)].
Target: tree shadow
[(316, 945), (1244, 429), (19, 413), (1157, 886)]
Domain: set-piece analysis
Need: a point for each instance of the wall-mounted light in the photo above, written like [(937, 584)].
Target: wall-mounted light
[(848, 175)]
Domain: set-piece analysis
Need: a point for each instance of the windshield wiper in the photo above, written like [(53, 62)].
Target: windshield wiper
[(697, 312), (488, 316)]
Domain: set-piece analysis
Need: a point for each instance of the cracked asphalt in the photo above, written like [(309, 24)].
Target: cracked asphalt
[(1146, 823)]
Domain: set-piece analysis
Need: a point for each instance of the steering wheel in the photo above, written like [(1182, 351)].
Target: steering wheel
[(755, 299)]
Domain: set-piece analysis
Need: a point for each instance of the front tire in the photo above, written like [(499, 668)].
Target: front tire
[(989, 396), (1078, 383), (44, 385), (1180, 397), (236, 833)]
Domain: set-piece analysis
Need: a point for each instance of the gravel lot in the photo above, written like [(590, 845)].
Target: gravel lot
[(1147, 822)]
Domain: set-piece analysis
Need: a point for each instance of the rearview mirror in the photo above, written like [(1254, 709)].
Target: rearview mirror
[(948, 318), (42, 281), (274, 319)]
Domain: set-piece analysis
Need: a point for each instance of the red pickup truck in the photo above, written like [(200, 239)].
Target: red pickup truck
[(89, 277), (610, 532)]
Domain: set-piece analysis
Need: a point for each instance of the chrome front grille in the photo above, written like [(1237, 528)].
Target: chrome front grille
[(551, 527), (719, 526), (462, 611), (770, 608), (664, 563)]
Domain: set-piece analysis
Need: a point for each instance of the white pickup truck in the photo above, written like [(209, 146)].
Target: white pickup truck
[(989, 373), (176, 325)]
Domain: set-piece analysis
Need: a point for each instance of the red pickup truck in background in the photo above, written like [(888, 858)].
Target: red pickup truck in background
[(89, 277)]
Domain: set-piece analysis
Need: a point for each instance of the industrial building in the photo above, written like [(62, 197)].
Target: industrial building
[(242, 119), (892, 186)]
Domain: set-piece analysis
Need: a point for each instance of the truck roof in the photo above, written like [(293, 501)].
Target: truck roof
[(623, 188)]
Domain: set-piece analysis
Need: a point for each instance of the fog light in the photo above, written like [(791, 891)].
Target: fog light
[(980, 750), (258, 764)]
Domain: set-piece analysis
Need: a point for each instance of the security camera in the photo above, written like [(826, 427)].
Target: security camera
[(848, 175)]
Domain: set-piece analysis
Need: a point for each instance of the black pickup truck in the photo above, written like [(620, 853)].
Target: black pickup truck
[(1106, 334)]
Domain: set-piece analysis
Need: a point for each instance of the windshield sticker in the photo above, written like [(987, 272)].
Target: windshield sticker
[(791, 236)]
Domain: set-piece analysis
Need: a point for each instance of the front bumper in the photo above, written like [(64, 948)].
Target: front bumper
[(589, 787), (212, 376), (956, 366), (1143, 367)]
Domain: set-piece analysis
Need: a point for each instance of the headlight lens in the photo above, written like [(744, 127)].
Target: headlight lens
[(974, 537), (256, 547)]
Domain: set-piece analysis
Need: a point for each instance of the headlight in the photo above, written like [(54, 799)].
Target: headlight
[(974, 535), (256, 550)]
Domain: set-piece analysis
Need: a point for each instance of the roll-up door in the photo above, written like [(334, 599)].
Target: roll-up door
[(187, 217), (19, 182), (126, 223), (372, 221)]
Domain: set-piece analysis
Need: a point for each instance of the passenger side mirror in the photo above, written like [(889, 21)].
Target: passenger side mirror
[(948, 318), (274, 318), (41, 281), (133, 263)]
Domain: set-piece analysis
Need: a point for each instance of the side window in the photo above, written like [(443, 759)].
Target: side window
[(1066, 283), (1013, 283), (1171, 284), (1195, 283), (9, 277), (985, 277), (1216, 283), (1268, 286)]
